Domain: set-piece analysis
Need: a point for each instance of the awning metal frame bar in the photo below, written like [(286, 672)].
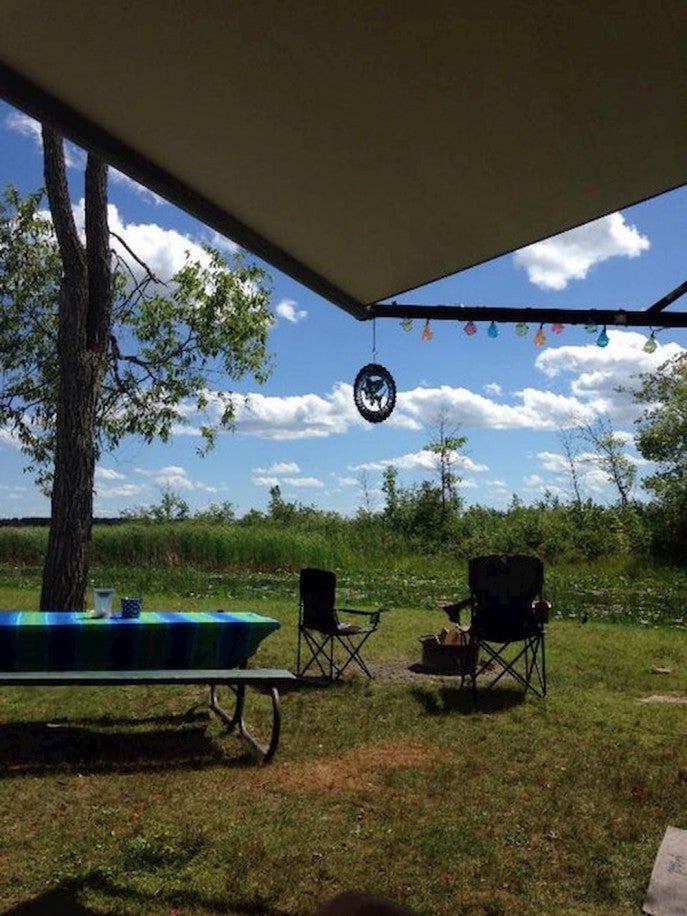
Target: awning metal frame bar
[(654, 316)]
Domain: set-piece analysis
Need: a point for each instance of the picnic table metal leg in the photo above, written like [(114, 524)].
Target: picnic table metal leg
[(237, 719)]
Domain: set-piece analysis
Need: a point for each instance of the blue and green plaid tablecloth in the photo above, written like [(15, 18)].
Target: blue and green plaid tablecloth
[(76, 641)]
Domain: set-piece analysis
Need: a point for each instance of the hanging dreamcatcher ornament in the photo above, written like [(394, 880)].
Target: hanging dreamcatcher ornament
[(374, 390), (374, 393)]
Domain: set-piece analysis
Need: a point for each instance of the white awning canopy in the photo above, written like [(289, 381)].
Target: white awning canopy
[(367, 148)]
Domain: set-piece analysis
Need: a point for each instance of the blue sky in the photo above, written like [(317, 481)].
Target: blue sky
[(301, 430)]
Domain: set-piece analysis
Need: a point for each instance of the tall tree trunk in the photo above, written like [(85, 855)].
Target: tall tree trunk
[(84, 324), (65, 570)]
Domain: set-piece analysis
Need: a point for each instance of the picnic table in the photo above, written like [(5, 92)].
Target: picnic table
[(62, 648)]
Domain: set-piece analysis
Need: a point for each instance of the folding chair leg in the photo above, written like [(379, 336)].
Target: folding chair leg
[(331, 659), (533, 657), (353, 654), (538, 665), (321, 655)]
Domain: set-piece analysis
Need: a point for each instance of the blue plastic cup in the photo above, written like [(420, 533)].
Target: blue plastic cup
[(131, 607)]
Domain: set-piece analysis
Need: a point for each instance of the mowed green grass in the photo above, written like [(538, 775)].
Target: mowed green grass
[(521, 807)]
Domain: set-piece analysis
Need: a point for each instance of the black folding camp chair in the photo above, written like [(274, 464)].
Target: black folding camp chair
[(325, 643), (507, 617)]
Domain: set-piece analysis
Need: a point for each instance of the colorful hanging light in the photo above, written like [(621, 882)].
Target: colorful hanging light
[(651, 343), (522, 328), (407, 324), (493, 330), (602, 339), (470, 328), (427, 333), (540, 337), (557, 327)]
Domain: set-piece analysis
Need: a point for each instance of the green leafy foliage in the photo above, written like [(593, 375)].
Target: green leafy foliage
[(171, 507), (176, 347), (662, 438), (30, 270), (210, 325)]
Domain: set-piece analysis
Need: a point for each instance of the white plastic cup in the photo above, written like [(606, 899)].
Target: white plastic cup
[(102, 598)]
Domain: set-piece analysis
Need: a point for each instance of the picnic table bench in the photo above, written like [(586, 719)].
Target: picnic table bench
[(60, 649)]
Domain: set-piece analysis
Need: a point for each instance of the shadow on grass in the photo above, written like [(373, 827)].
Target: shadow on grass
[(64, 900), (313, 682), (179, 720), (36, 748), (439, 701)]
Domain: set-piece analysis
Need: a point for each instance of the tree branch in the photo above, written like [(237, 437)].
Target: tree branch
[(97, 254), (71, 249), (151, 275)]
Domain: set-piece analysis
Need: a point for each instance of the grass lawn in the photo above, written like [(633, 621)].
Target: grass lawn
[(553, 806)]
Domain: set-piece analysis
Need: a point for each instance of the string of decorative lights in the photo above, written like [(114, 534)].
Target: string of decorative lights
[(522, 329)]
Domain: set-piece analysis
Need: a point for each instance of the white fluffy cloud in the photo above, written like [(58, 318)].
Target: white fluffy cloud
[(111, 484), (284, 473), (126, 490), (534, 408), (588, 379), (164, 251), (346, 481), (102, 473), (552, 263), (9, 437), (173, 477), (24, 125), (11, 494), (279, 467), (287, 309), (423, 460), (261, 481), (603, 378), (304, 416)]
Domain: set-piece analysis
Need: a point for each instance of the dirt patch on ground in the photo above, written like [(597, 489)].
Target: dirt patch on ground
[(664, 698), (404, 673), (362, 767)]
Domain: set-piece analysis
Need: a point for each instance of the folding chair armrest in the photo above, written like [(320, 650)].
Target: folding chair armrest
[(453, 608), (373, 615), (351, 610)]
